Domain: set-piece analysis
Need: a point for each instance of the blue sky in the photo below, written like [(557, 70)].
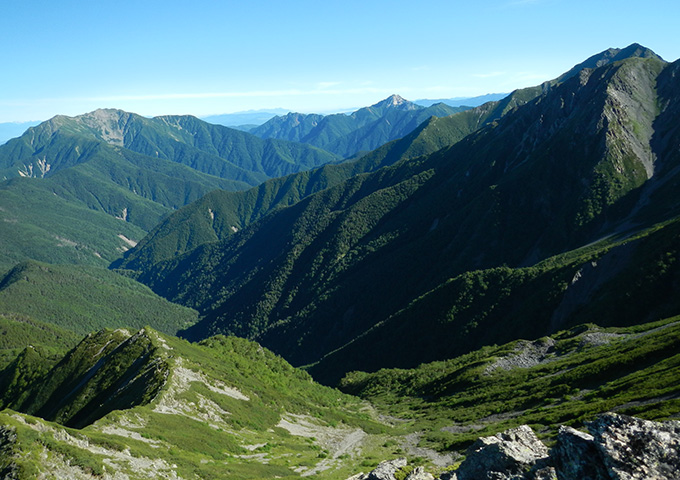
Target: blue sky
[(210, 57)]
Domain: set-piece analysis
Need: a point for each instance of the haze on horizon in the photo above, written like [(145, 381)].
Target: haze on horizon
[(204, 58)]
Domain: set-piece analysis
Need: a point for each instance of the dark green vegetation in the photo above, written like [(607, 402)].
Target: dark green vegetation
[(627, 281), (107, 371), (221, 213), (38, 224), (587, 157), (174, 141), (17, 331), (88, 179), (151, 405), (565, 379), (550, 216), (84, 299), (361, 131)]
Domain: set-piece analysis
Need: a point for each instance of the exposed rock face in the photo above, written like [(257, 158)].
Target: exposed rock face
[(529, 354), (504, 456), (547, 473), (384, 471), (419, 473), (618, 447), (576, 456), (633, 449)]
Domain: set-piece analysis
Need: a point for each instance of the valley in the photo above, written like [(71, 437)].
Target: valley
[(323, 293)]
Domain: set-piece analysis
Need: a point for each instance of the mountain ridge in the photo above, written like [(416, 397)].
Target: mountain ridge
[(229, 209), (514, 264), (126, 167), (379, 219), (362, 130)]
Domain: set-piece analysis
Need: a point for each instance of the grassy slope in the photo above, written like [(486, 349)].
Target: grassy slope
[(221, 414), (213, 150), (228, 404), (126, 167), (579, 373), (18, 331), (41, 225), (221, 213)]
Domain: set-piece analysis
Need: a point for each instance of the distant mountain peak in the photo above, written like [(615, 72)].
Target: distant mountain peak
[(396, 99), (392, 101)]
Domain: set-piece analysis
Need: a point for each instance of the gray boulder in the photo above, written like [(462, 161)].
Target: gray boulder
[(576, 455), (384, 471), (618, 447), (545, 473), (504, 456), (632, 448), (419, 473)]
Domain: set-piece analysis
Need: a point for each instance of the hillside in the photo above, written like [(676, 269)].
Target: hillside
[(152, 406), (312, 277), (41, 225), (210, 149), (132, 169), (623, 281), (83, 299), (46, 339), (480, 291), (221, 213), (361, 131), (555, 380)]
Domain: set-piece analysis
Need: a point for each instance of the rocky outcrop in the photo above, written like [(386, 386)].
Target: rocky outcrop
[(574, 455), (506, 455), (617, 447), (384, 471), (636, 449), (419, 473)]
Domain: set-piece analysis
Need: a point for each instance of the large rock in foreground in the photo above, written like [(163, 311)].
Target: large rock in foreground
[(618, 447), (632, 448), (506, 455)]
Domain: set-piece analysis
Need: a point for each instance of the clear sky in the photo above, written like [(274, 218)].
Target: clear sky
[(205, 57)]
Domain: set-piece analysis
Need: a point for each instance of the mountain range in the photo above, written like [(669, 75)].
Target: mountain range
[(348, 262), (363, 130), (115, 174), (446, 277)]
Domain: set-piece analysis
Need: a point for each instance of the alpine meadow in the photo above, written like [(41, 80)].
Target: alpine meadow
[(411, 290)]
